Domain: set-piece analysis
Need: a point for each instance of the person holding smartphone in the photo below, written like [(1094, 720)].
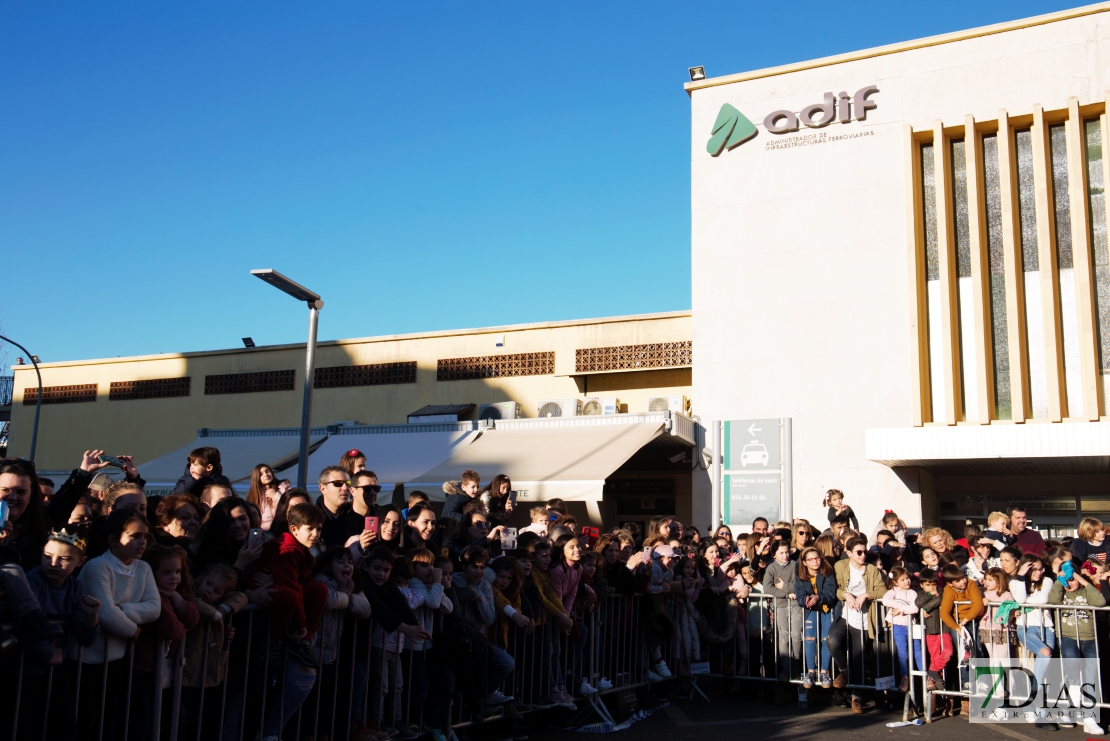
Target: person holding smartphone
[(349, 525)]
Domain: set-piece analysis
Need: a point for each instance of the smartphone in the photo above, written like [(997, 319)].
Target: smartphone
[(591, 534), (111, 460), (256, 535), (508, 538), (647, 554), (512, 499), (371, 525), (3, 514)]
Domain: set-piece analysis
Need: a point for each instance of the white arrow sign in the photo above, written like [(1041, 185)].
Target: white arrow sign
[(753, 429)]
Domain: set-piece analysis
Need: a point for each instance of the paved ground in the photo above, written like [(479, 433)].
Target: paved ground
[(730, 716)]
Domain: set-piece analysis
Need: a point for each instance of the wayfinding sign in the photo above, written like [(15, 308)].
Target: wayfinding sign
[(754, 471)]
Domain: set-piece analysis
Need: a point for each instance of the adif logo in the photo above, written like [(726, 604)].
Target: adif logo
[(732, 128)]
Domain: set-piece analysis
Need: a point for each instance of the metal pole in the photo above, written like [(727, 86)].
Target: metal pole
[(309, 374), (38, 399), (787, 469), (715, 474)]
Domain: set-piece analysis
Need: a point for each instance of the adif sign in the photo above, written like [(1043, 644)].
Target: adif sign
[(840, 108)]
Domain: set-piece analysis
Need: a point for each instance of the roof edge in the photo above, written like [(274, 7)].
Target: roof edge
[(878, 51), (366, 340)]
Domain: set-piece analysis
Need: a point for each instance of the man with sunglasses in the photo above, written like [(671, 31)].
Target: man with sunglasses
[(349, 525), (857, 583), (335, 492)]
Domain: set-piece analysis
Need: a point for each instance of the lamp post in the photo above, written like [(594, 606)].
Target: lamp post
[(315, 303), (38, 399)]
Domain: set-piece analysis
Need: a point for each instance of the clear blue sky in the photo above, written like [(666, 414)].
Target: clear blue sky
[(421, 165)]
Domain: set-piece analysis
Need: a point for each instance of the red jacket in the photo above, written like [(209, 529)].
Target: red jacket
[(289, 562), (170, 626)]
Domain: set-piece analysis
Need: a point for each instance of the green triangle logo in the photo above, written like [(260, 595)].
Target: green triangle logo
[(731, 129)]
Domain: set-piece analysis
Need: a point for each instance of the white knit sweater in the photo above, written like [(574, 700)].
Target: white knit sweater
[(128, 598)]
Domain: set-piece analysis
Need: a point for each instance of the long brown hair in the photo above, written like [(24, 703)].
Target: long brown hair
[(159, 553), (257, 491), (803, 571), (494, 486)]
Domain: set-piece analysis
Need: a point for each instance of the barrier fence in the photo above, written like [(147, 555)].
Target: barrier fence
[(246, 689)]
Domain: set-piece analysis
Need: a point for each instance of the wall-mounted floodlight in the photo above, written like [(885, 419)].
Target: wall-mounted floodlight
[(697, 73), (315, 303)]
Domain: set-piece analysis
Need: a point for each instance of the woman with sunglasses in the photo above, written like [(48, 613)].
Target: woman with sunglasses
[(264, 492)]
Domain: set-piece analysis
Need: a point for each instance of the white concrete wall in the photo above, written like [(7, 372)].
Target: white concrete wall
[(800, 275)]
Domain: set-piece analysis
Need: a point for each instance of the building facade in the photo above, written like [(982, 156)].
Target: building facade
[(376, 391), (904, 250)]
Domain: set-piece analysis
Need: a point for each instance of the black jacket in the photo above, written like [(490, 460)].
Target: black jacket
[(67, 497), (188, 485)]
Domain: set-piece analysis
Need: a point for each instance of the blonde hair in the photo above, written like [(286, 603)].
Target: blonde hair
[(421, 555), (928, 535), (1088, 528), (538, 514), (994, 517)]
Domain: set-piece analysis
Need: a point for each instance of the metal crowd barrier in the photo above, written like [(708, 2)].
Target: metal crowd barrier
[(376, 683), (956, 674)]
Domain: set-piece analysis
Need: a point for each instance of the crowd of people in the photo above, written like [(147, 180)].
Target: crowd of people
[(422, 610)]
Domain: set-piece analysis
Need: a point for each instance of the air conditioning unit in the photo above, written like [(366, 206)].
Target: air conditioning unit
[(601, 406), (500, 410), (559, 408), (678, 404)]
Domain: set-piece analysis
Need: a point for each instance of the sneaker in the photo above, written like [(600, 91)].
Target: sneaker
[(562, 699), (435, 733), (662, 670), (1092, 728), (586, 689), (904, 684), (362, 732), (857, 705), (542, 702), (604, 684), (932, 685), (807, 680), (999, 715), (653, 677), (304, 653), (841, 681), (824, 680), (497, 697), (371, 729), (510, 712)]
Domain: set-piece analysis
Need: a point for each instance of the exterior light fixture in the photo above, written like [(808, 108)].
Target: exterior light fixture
[(697, 73), (315, 303)]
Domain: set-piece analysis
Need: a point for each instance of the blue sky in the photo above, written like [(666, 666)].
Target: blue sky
[(421, 165)]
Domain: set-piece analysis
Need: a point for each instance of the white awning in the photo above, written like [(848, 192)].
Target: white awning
[(396, 453), (240, 452), (1029, 448), (545, 460)]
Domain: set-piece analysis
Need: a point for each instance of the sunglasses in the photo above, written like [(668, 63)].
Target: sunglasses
[(337, 483), (859, 552), (372, 487)]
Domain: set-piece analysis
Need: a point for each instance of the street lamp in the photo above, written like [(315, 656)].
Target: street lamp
[(38, 399), (315, 303)]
